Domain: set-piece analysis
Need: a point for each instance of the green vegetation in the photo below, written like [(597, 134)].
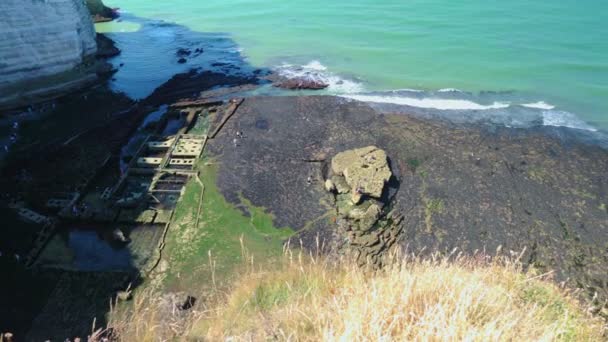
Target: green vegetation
[(432, 206), (413, 164), (217, 240), (538, 174)]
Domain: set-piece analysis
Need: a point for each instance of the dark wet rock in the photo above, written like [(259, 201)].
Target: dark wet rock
[(182, 60), (439, 198), (182, 52), (105, 70), (302, 83), (184, 86), (101, 13), (106, 48), (188, 303)]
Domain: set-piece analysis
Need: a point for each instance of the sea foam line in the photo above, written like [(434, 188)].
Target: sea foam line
[(539, 105), (429, 103)]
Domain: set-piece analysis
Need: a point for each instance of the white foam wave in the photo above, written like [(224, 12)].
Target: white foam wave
[(430, 103), (315, 65), (564, 119), (407, 90), (449, 90), (316, 71), (539, 105)]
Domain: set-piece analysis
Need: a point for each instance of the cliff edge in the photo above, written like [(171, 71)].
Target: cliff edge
[(46, 48)]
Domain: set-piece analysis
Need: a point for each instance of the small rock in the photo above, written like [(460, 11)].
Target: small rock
[(341, 185), (183, 52), (188, 303), (182, 60), (330, 186), (356, 197)]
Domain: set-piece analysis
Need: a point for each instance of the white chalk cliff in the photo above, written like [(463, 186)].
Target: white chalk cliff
[(46, 47)]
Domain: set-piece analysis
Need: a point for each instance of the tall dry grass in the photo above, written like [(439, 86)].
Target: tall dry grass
[(311, 298)]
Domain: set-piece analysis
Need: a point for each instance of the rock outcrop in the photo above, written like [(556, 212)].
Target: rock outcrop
[(46, 48), (100, 12), (301, 83), (365, 170), (357, 179)]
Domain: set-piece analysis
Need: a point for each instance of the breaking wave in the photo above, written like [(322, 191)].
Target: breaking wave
[(429, 103), (500, 108), (465, 107), (316, 71)]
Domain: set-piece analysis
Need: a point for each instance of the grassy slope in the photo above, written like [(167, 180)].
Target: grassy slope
[(302, 298)]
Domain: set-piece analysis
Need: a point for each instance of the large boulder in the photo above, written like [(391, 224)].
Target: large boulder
[(366, 170)]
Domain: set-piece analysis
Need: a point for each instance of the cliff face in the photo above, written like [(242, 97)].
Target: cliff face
[(46, 47)]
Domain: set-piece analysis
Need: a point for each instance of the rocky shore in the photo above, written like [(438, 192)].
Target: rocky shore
[(347, 178), (452, 187)]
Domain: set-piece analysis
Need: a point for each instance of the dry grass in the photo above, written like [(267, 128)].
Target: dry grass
[(308, 298)]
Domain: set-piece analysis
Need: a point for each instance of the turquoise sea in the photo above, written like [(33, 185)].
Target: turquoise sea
[(518, 62)]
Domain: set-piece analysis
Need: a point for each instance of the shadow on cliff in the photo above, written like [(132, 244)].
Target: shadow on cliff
[(55, 150)]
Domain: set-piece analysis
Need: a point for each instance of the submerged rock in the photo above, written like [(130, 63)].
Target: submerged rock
[(182, 52)]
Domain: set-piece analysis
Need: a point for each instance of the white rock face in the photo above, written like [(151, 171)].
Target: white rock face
[(42, 38)]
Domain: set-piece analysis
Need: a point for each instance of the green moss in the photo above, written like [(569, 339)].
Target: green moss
[(219, 232), (434, 205), (413, 163), (538, 174), (582, 194)]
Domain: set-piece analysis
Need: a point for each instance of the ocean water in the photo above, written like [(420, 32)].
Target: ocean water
[(519, 62)]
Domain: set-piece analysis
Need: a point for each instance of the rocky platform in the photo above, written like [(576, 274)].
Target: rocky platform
[(465, 187)]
